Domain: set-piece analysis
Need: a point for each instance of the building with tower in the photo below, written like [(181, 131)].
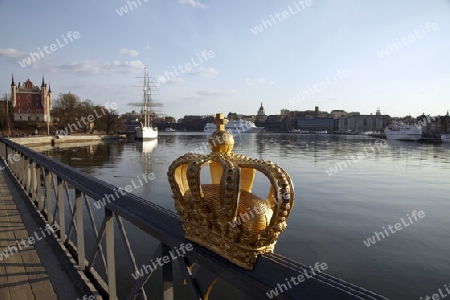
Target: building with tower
[(31, 103), (261, 115)]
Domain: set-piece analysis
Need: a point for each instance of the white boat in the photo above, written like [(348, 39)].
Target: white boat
[(403, 132), (239, 126), (170, 129), (146, 131), (300, 131), (445, 138)]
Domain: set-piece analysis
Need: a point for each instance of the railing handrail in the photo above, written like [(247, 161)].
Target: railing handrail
[(165, 225)]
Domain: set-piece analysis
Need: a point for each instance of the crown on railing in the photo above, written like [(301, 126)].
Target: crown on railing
[(225, 216)]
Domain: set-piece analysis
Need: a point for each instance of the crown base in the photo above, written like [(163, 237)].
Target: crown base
[(240, 255)]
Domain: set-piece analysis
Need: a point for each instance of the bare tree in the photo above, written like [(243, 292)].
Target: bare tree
[(64, 109), (109, 122)]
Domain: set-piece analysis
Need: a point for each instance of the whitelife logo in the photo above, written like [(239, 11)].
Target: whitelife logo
[(11, 158), (397, 226), (89, 119), (341, 75), (52, 48), (169, 75), (123, 191), (439, 296), (25, 243), (131, 4), (281, 287), (356, 158), (391, 48), (265, 24), (147, 269)]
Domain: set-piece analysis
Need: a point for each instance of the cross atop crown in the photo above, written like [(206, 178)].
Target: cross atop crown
[(220, 122)]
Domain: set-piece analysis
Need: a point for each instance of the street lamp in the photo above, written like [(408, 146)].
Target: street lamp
[(7, 114), (48, 116)]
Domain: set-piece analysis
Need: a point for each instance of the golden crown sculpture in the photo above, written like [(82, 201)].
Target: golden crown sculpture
[(225, 216)]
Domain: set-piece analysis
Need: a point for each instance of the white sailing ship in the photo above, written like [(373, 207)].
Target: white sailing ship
[(146, 131)]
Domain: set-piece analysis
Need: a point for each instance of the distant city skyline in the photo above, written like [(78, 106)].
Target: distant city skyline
[(209, 57)]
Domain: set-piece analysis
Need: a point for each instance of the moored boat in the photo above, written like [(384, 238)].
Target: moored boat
[(445, 138), (146, 131), (300, 131), (240, 126), (403, 132)]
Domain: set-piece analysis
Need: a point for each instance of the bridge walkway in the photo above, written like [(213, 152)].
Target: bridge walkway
[(28, 269)]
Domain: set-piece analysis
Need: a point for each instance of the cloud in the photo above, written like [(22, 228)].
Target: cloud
[(210, 93), (130, 52), (12, 54), (93, 67), (263, 81), (127, 66), (193, 3), (84, 67), (205, 72), (336, 99), (176, 81), (15, 56), (147, 47)]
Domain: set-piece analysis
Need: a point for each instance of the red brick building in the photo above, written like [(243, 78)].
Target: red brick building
[(31, 103)]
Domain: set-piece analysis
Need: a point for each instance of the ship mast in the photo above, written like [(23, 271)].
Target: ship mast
[(146, 104)]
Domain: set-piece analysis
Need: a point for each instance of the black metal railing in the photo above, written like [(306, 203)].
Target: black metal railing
[(51, 185)]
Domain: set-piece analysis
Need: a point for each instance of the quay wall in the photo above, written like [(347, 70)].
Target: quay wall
[(65, 139)]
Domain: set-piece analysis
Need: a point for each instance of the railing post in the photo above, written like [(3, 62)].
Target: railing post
[(13, 164), (29, 177), (26, 173), (62, 220), (3, 150), (167, 274), (38, 188), (110, 256), (80, 230), (48, 196), (22, 170), (33, 182)]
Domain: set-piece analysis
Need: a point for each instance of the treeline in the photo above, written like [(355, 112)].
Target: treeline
[(71, 114)]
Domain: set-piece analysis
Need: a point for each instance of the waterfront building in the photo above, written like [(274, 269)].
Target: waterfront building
[(29, 102), (434, 124), (316, 124), (195, 123), (443, 123), (132, 116), (232, 116), (363, 123), (261, 115)]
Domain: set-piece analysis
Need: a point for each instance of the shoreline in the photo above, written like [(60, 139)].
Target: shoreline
[(53, 140)]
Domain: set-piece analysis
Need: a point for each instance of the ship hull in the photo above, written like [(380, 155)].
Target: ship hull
[(409, 134), (235, 127), (146, 133)]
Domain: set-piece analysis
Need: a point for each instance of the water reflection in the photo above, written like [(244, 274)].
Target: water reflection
[(145, 150), (333, 214), (86, 156)]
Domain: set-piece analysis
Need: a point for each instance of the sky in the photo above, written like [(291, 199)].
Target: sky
[(210, 56)]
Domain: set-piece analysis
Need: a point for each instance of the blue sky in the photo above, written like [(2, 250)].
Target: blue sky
[(295, 62)]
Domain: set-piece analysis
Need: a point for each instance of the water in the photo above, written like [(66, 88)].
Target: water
[(332, 215)]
